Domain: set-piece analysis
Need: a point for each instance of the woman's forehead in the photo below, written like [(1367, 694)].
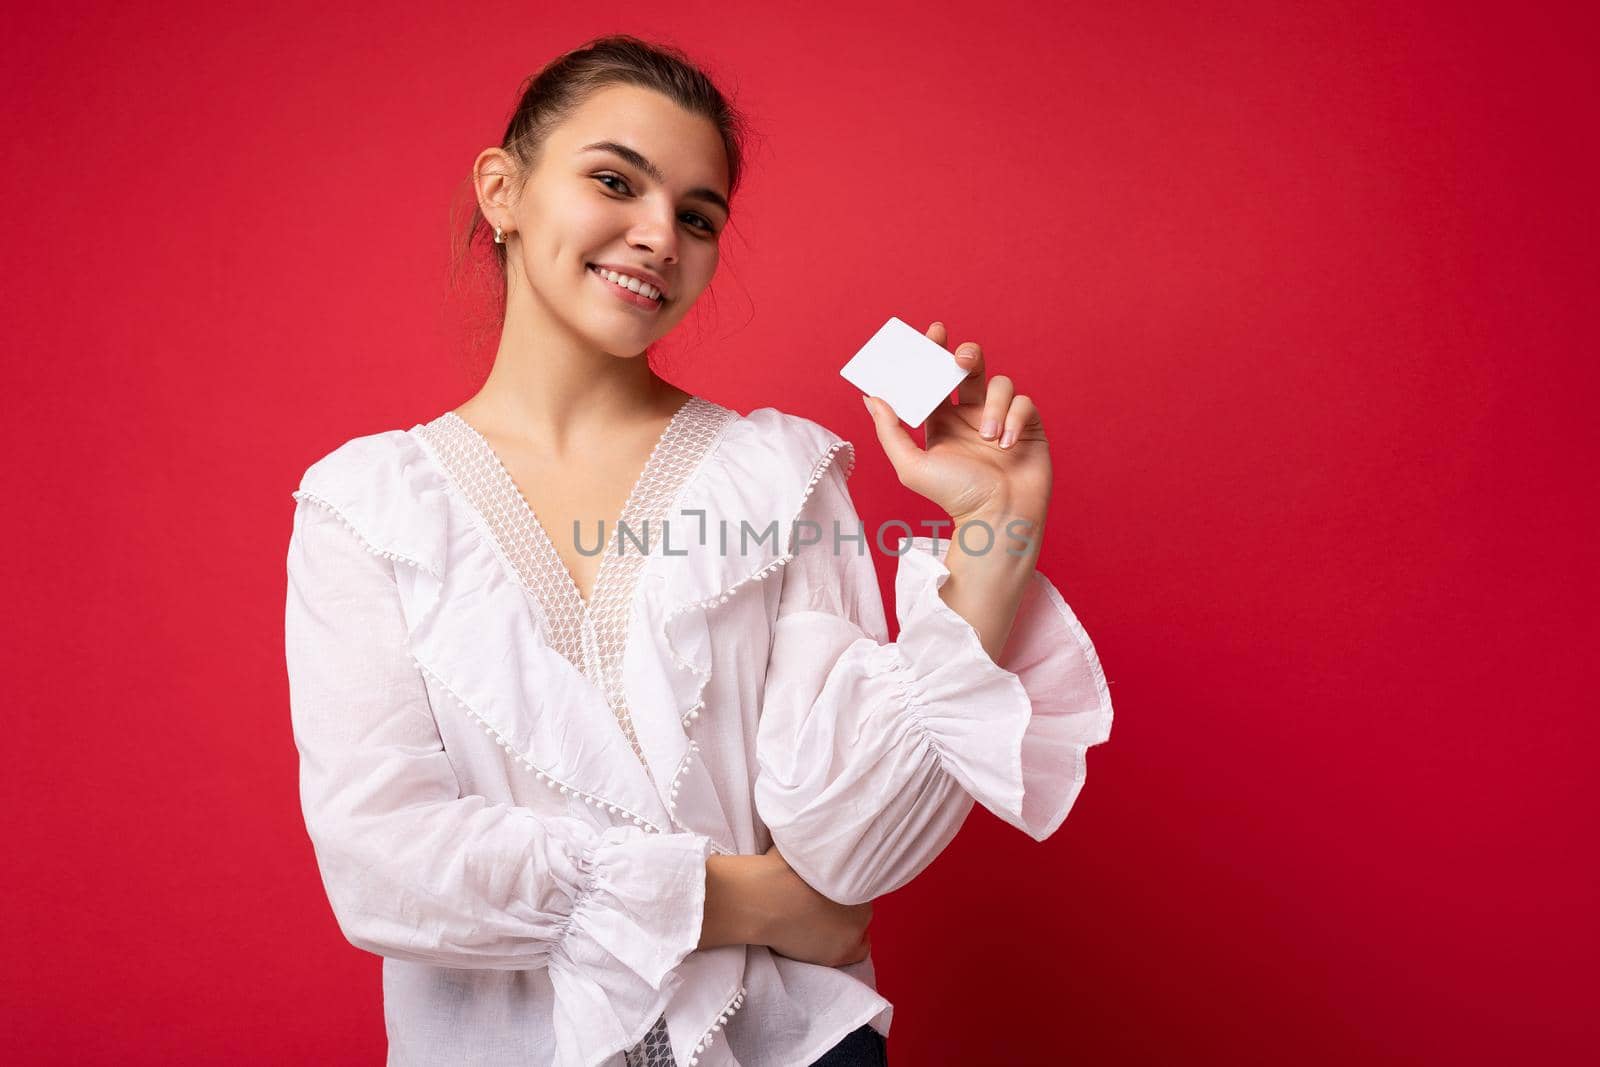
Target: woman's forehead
[(681, 145)]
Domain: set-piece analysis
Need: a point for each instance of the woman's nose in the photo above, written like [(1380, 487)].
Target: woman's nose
[(658, 235)]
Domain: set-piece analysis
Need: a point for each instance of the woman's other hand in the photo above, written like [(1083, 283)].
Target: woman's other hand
[(760, 900), (796, 921)]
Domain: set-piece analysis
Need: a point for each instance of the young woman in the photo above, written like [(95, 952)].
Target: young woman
[(632, 806)]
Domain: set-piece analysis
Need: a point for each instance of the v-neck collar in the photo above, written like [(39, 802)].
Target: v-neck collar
[(591, 635), (567, 591)]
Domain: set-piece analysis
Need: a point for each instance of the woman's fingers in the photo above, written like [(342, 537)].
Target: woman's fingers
[(1004, 414), (1020, 416), (969, 356), (995, 404)]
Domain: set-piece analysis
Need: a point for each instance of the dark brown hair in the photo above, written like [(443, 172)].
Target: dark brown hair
[(549, 97)]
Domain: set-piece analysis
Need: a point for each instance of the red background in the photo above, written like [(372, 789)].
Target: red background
[(1306, 297)]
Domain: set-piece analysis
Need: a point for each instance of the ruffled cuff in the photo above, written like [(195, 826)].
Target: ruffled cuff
[(639, 900), (1013, 736)]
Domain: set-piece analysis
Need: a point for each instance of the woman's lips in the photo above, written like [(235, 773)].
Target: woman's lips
[(622, 292)]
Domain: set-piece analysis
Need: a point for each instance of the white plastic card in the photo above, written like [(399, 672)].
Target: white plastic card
[(906, 368)]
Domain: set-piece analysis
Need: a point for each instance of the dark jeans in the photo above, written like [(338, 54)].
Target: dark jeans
[(862, 1047)]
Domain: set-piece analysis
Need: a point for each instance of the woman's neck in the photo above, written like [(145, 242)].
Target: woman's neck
[(550, 390)]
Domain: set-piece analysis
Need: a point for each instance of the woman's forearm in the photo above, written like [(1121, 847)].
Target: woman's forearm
[(985, 587), (729, 917)]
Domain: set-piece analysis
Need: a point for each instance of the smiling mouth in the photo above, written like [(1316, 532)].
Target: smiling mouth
[(637, 299)]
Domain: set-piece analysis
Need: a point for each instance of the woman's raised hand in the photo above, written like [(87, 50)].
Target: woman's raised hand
[(986, 455)]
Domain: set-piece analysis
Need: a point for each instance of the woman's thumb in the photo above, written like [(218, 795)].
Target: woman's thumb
[(897, 443)]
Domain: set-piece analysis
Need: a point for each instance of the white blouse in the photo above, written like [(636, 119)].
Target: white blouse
[(512, 793)]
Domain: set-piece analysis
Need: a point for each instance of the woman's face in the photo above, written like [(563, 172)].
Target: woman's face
[(659, 216)]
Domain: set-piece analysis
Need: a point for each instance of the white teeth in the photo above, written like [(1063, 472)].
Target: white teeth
[(633, 284)]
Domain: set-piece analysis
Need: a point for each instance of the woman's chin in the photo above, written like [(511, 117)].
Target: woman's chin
[(604, 334), (612, 343)]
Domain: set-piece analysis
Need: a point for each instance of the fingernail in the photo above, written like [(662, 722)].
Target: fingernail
[(867, 403), (936, 324), (1010, 436), (988, 430)]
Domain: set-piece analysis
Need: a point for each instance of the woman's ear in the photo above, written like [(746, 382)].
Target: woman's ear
[(491, 179)]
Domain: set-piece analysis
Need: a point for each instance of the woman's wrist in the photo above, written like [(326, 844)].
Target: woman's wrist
[(733, 912), (717, 924), (991, 564)]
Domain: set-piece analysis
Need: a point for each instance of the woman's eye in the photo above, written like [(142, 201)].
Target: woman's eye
[(702, 223)]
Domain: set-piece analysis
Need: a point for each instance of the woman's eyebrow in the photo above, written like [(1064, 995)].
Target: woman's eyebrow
[(637, 159)]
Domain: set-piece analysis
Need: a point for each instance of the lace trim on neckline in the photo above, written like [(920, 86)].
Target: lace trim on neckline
[(592, 636)]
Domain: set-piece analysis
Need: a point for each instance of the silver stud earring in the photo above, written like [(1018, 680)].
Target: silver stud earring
[(499, 236)]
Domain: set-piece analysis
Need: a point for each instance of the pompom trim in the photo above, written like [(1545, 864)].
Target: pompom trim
[(706, 1039), (306, 494)]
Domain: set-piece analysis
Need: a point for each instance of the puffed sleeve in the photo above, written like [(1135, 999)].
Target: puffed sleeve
[(417, 871), (870, 753)]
